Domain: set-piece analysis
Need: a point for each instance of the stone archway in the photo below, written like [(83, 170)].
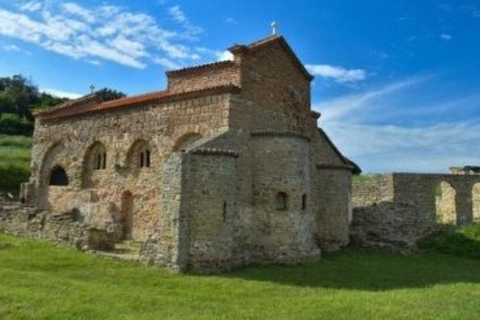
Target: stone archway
[(445, 203), (186, 140), (476, 202), (127, 211)]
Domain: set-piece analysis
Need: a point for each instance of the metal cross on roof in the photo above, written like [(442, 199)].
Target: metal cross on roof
[(274, 26)]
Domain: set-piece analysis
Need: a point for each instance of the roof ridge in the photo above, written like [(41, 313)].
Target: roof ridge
[(141, 99), (200, 67), (66, 104)]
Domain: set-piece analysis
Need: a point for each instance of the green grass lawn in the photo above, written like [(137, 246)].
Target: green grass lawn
[(42, 281), (15, 152)]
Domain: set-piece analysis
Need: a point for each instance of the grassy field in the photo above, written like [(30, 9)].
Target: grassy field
[(15, 154), (42, 281)]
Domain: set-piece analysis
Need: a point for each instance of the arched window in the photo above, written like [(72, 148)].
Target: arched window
[(58, 177), (281, 200), (304, 202), (101, 160), (144, 158), (139, 155)]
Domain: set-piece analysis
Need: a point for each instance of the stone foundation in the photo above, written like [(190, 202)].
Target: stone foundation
[(63, 229)]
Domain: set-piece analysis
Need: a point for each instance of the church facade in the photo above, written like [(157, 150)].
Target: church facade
[(226, 167)]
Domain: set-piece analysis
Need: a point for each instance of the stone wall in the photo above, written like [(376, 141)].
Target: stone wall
[(392, 212), (70, 144), (282, 234), (217, 74), (220, 167), (63, 229)]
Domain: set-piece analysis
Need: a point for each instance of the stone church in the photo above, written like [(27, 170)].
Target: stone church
[(226, 167)]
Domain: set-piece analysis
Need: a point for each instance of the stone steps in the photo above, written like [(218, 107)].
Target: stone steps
[(125, 250)]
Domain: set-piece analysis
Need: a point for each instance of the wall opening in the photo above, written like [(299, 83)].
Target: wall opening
[(139, 155), (95, 159), (101, 162), (224, 212), (58, 177), (445, 205), (281, 201), (127, 207), (304, 202), (476, 202)]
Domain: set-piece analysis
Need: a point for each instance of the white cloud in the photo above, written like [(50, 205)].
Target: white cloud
[(405, 126), (31, 6), (342, 107), (446, 36), (75, 9), (11, 47), (177, 14), (169, 64), (105, 32), (191, 31), (61, 94), (224, 55), (339, 74), (231, 20)]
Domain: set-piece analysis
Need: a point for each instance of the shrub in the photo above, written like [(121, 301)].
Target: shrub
[(12, 124)]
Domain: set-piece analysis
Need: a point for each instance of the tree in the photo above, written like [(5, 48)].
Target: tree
[(106, 94)]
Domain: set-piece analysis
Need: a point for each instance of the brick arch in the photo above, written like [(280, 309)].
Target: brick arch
[(445, 202), (184, 141), (54, 156), (96, 157), (476, 201)]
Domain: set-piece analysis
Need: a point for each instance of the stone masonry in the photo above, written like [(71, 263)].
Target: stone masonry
[(224, 168), (393, 211)]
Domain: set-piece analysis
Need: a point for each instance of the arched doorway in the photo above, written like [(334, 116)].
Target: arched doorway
[(476, 202), (445, 203), (127, 215), (58, 177)]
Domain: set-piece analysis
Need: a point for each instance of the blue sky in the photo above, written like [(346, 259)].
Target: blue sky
[(397, 82)]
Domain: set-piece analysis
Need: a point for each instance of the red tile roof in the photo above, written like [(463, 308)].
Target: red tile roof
[(74, 108)]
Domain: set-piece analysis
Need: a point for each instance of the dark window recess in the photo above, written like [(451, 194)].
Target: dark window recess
[(58, 177), (224, 211), (304, 202), (144, 159), (101, 161), (147, 156), (281, 201), (104, 162)]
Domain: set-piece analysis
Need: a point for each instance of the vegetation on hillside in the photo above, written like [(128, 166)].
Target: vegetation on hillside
[(20, 98), (15, 152), (43, 281)]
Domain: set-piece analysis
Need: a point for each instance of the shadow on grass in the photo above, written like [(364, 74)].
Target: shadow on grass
[(444, 259)]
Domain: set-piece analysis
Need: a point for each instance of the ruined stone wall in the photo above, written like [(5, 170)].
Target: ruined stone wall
[(63, 229), (417, 204), (368, 192), (68, 143), (224, 73), (381, 223)]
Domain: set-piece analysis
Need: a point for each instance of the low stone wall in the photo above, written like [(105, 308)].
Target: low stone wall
[(381, 222), (63, 229), (386, 227)]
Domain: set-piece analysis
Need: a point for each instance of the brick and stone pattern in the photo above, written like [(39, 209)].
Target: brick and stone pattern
[(223, 142), (393, 211)]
